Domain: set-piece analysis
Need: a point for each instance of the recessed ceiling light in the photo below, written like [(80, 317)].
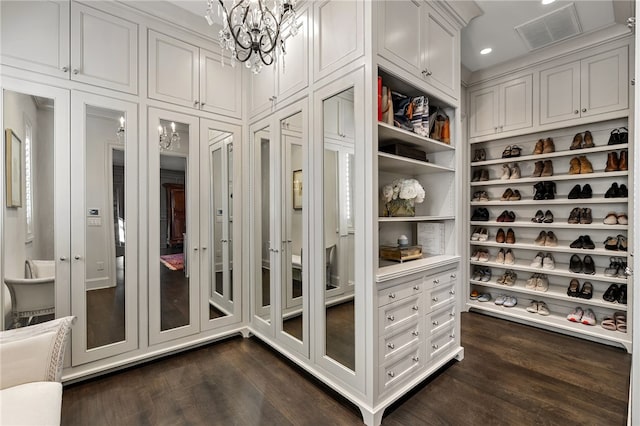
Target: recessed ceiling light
[(486, 51), (547, 1)]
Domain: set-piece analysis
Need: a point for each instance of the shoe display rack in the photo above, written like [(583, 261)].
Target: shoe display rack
[(565, 208)]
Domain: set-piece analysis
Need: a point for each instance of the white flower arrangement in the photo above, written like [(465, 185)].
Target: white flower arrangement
[(401, 193)]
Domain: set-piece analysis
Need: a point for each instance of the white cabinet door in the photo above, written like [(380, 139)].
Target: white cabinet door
[(35, 36), (261, 90), (293, 67), (516, 104), (339, 29), (441, 52), (604, 83), (347, 119), (173, 70), (484, 111), (560, 93), (220, 86), (399, 37), (104, 49)]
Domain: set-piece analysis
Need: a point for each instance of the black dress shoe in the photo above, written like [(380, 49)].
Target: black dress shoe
[(575, 192), (577, 244), (588, 265), (586, 192), (623, 191), (613, 191), (538, 218), (612, 293), (587, 243), (549, 190), (622, 297), (539, 187), (587, 291), (548, 217), (575, 264)]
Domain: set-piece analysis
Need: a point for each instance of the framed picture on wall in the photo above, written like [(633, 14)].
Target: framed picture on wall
[(297, 189), (13, 179)]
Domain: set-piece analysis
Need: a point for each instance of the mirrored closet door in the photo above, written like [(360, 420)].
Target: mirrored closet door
[(104, 212), (35, 203)]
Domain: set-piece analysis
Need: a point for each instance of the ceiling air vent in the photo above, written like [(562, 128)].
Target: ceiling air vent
[(553, 27)]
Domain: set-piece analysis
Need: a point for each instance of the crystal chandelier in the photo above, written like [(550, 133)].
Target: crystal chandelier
[(252, 29), (120, 131), (169, 141)]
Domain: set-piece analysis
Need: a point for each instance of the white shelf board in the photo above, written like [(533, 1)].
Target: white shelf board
[(554, 292), (389, 270), (388, 134), (557, 223), (562, 247), (560, 270), (537, 157), (554, 321), (580, 177), (555, 201), (415, 219), (407, 166)]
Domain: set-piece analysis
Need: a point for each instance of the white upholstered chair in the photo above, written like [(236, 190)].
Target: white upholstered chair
[(33, 295)]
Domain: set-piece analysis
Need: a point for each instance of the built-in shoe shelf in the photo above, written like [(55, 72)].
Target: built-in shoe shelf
[(555, 201), (562, 247), (599, 174), (560, 223), (557, 154)]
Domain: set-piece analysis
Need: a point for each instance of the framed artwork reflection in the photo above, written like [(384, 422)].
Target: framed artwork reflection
[(13, 179), (297, 189)]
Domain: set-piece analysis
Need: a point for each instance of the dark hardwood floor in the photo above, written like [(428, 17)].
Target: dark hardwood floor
[(511, 375)]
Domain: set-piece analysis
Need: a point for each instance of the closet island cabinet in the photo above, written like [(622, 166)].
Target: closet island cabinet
[(71, 41)]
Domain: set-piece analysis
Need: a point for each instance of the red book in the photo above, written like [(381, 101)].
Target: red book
[(379, 98)]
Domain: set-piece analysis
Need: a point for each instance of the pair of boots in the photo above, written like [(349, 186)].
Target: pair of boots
[(544, 191), (543, 168), (544, 146), (614, 164), (580, 165), (579, 142)]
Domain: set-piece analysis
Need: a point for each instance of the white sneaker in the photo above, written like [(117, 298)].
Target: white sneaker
[(500, 256), (510, 302), (500, 299), (537, 261), (548, 262), (476, 234), (589, 318), (483, 256), (515, 172), (475, 255), (533, 307), (531, 282), (542, 283), (576, 315), (506, 172), (543, 309)]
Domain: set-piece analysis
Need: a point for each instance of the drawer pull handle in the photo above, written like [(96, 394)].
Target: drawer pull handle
[(415, 359), (415, 332), (415, 307), (452, 314), (391, 346), (436, 281), (453, 336), (435, 323), (435, 299), (452, 292), (416, 287), (392, 295), (453, 276), (391, 374), (391, 318), (435, 347)]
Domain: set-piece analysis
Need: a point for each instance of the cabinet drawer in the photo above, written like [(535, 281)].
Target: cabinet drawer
[(399, 313), (400, 370), (441, 296), (441, 279), (441, 319), (400, 291), (399, 340), (441, 343)]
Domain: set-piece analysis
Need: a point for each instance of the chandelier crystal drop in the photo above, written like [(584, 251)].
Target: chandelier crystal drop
[(252, 30)]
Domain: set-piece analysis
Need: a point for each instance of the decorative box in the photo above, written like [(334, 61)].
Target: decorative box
[(400, 254)]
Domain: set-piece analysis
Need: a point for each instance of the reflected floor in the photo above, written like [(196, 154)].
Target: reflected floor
[(340, 333)]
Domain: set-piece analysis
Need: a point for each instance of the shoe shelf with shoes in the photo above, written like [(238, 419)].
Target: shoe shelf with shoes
[(556, 201), (560, 223), (557, 154), (562, 247), (560, 177)]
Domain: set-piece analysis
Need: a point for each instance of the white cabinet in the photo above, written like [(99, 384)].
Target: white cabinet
[(589, 87), (183, 74), (77, 42), (276, 84), (501, 108), (338, 118), (415, 37)]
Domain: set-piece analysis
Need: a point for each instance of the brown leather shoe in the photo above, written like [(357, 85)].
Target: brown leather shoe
[(539, 147), (586, 216), (585, 165), (588, 140), (548, 168), (622, 165), (511, 237), (500, 236), (537, 171), (577, 141), (613, 164), (574, 166), (548, 146)]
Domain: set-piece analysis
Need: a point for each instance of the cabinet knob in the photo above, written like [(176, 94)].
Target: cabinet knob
[(436, 281), (392, 295), (195, 249), (435, 299), (195, 103), (416, 287), (495, 129), (63, 258), (391, 318), (64, 69), (77, 257), (429, 73), (415, 332), (76, 71), (424, 72), (452, 314), (204, 248), (452, 292), (576, 111), (453, 336), (435, 346), (415, 359), (391, 374), (453, 276), (391, 346), (202, 104), (435, 323), (633, 81), (584, 110), (501, 127), (415, 307)]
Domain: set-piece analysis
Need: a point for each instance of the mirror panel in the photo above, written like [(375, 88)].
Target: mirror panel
[(262, 144), (339, 227), (293, 276), (172, 217), (29, 216)]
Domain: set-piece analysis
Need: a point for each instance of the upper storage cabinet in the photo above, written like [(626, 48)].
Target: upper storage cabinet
[(500, 108), (77, 42), (184, 74), (589, 87), (415, 37)]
